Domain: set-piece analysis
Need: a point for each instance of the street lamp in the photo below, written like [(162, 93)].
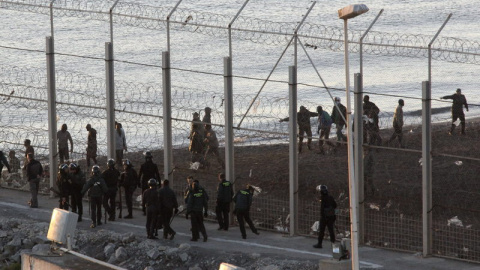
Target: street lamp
[(346, 13)]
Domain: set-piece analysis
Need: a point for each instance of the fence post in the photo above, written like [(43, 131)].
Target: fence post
[(52, 111), (167, 117), (358, 153), (228, 92), (426, 168), (293, 154), (110, 91)]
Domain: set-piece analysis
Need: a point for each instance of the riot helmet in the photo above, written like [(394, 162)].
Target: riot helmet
[(111, 163), (73, 166), (127, 163), (152, 182), (96, 170)]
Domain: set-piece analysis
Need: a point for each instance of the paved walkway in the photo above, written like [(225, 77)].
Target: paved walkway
[(297, 247)]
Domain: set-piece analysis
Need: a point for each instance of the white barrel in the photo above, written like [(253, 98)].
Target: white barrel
[(62, 224)]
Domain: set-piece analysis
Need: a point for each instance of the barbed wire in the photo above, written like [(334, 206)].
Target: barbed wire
[(259, 31)]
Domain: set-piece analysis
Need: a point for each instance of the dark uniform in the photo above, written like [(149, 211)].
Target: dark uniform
[(243, 201), (64, 184), (224, 198), (129, 180), (327, 217), (151, 203), (303, 121), (168, 204), (459, 101), (78, 181), (111, 177), (96, 187), (197, 203), (148, 170)]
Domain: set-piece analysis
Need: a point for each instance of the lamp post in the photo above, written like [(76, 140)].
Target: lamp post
[(346, 13)]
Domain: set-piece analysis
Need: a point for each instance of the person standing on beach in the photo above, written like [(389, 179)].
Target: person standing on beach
[(63, 137), (91, 145), (459, 101), (324, 125), (339, 118), (398, 123), (303, 121)]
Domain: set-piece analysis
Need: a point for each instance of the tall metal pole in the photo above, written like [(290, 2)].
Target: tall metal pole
[(230, 29), (52, 111), (430, 48), (110, 94), (167, 117), (111, 20), (292, 147), (51, 18), (168, 24), (358, 137), (426, 168), (351, 172), (229, 135)]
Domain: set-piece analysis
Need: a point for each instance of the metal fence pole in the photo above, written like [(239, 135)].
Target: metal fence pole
[(426, 168), (230, 29), (168, 24), (167, 117), (229, 135), (52, 111), (110, 91), (293, 154), (358, 153), (111, 20)]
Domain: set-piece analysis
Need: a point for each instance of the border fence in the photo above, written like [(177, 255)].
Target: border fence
[(262, 51)]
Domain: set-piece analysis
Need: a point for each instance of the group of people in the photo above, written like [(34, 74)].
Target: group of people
[(196, 199), (371, 129), (203, 140)]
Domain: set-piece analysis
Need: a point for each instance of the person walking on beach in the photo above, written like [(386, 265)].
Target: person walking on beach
[(34, 173), (327, 216), (398, 123), (303, 121), (339, 116), (372, 128), (224, 198), (63, 137), (324, 125), (459, 101), (96, 187), (243, 202), (91, 145)]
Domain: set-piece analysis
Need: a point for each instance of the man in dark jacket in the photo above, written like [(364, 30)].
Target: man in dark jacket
[(224, 198), (64, 184), (4, 161), (111, 176), (96, 187), (78, 181), (243, 202), (327, 216), (338, 118), (303, 121), (148, 170), (459, 101), (168, 207), (197, 203), (129, 180), (371, 129), (34, 173), (151, 203)]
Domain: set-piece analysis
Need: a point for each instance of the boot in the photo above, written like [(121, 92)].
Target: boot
[(463, 128), (319, 245), (451, 129)]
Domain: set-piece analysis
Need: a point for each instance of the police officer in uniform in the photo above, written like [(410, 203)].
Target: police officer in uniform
[(151, 203), (148, 170), (243, 201), (78, 181), (64, 184), (197, 203), (224, 198), (111, 176), (96, 187), (327, 216), (129, 180), (168, 207)]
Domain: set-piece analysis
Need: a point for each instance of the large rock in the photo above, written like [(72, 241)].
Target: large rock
[(121, 254), (183, 256), (128, 238), (109, 249), (153, 254)]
